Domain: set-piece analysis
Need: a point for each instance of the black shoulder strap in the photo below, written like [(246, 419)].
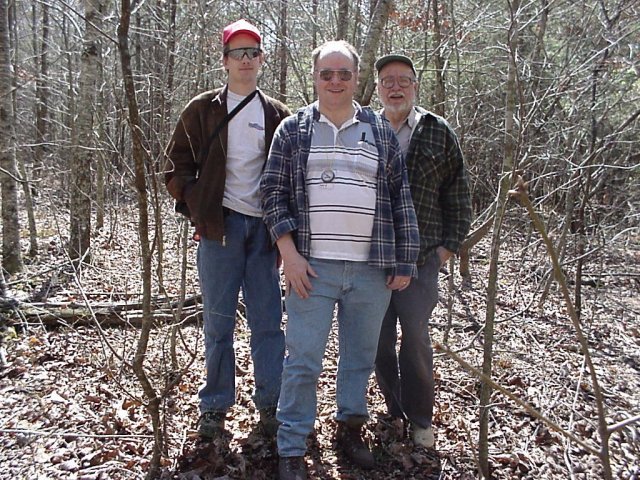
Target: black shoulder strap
[(205, 151)]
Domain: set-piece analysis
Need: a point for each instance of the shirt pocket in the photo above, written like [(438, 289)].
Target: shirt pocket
[(428, 168), (365, 163)]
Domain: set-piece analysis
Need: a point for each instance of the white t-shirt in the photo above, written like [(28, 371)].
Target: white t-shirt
[(245, 156), (341, 185)]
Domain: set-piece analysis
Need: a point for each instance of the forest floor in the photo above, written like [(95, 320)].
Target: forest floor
[(70, 405)]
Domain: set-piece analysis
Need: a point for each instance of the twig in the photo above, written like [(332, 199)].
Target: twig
[(520, 193), (622, 424), (528, 408), (70, 434)]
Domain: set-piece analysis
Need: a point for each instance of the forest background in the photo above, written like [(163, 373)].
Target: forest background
[(537, 327)]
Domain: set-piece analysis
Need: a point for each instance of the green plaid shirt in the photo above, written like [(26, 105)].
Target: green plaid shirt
[(439, 183)]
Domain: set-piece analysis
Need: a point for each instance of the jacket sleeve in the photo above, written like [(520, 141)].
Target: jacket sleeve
[(276, 184), (181, 168), (455, 197)]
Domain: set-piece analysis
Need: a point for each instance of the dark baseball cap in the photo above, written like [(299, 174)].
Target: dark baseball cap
[(236, 28), (394, 57)]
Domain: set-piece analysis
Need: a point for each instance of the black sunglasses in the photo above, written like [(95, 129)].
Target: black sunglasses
[(343, 75), (239, 53)]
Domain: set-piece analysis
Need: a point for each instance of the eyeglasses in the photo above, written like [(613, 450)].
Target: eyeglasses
[(343, 75), (239, 53), (403, 82)]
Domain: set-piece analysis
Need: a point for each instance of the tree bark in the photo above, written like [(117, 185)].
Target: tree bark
[(11, 252), (510, 152), (42, 93), (139, 157), (282, 53), (81, 185), (343, 20), (439, 91), (366, 85), (23, 169)]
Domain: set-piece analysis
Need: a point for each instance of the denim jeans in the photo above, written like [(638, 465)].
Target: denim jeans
[(362, 298), (246, 260), (406, 381)]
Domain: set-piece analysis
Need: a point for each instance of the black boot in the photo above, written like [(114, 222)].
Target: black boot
[(349, 439), (292, 468)]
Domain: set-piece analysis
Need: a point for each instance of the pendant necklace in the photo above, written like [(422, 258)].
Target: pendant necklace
[(329, 174)]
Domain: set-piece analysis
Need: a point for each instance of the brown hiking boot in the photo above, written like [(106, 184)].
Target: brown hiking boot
[(349, 439)]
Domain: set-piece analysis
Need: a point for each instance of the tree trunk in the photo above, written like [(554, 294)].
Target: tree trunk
[(20, 159), (42, 94), (28, 203), (282, 53), (101, 155), (343, 20), (139, 157), (314, 27), (472, 239), (11, 253), (510, 151), (366, 85), (80, 185), (439, 91), (70, 101)]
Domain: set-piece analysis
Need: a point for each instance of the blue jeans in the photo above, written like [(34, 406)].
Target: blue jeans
[(362, 298), (246, 260), (406, 380)]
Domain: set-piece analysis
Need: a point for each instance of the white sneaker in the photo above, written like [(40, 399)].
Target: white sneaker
[(423, 437)]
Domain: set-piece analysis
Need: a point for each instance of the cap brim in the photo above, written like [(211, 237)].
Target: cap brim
[(387, 59)]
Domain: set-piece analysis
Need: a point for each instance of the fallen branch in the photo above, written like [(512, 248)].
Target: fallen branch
[(70, 434), (55, 315)]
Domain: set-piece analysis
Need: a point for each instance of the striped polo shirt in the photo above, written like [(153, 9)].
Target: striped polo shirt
[(341, 186)]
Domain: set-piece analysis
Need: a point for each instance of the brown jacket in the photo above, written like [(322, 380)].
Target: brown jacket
[(198, 183)]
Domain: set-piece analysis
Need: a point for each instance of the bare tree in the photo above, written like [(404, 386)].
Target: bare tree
[(343, 20), (508, 162), (282, 51), (83, 137), (11, 252), (366, 83), (140, 160), (439, 92), (21, 160), (41, 59)]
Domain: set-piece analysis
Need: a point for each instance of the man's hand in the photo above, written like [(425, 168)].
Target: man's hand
[(197, 234), (296, 275), (395, 282), (296, 268)]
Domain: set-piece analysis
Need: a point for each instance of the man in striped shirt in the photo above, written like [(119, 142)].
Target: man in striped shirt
[(336, 201), (440, 193)]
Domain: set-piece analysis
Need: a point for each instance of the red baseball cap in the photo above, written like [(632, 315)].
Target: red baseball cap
[(241, 26)]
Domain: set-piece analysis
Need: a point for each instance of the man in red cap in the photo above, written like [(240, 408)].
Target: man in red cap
[(214, 174)]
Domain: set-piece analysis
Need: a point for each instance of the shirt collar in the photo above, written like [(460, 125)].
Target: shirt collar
[(412, 118), (319, 117)]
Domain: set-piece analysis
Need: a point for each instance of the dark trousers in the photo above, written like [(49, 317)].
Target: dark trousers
[(406, 380)]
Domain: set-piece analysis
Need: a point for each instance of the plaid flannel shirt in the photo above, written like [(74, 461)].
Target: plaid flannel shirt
[(394, 239), (439, 184)]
